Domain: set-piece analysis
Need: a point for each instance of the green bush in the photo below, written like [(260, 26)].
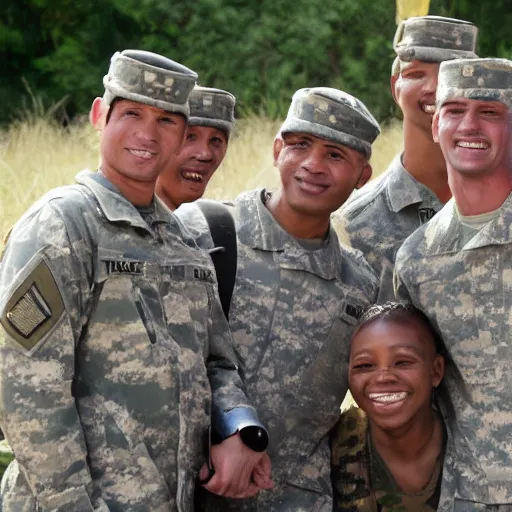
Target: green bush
[(260, 50)]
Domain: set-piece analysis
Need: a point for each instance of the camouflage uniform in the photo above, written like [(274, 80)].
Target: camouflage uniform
[(362, 482), (378, 218), (294, 308), (111, 332), (464, 288)]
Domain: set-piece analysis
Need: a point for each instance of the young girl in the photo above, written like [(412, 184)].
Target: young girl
[(388, 455)]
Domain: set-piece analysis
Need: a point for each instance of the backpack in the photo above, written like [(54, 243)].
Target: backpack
[(222, 229)]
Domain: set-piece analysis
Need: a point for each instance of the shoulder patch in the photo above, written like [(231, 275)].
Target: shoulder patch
[(33, 309)]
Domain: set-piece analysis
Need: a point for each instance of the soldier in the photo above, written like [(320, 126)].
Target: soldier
[(458, 269), (209, 127), (379, 218), (298, 294), (111, 325)]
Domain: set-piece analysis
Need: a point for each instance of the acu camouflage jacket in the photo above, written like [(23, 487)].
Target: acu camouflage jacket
[(379, 217), (292, 315), (112, 330), (466, 291)]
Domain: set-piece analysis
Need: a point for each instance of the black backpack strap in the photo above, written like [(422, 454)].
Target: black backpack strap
[(223, 232)]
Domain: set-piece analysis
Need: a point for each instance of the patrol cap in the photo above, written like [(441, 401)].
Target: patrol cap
[(333, 115), (435, 39), (212, 107), (475, 79), (149, 78)]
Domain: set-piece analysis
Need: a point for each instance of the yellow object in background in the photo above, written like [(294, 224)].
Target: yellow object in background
[(408, 8)]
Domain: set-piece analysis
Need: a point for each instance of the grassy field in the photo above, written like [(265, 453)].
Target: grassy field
[(37, 155)]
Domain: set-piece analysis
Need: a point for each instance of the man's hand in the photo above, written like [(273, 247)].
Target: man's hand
[(239, 471), (261, 473)]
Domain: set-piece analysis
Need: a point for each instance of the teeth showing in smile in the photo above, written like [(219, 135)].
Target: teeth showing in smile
[(141, 153), (429, 109), (192, 176), (387, 398), (313, 187), (472, 145)]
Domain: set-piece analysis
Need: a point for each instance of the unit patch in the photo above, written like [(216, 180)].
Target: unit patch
[(30, 312), (33, 309)]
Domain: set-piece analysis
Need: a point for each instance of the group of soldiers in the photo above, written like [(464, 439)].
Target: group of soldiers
[(136, 375)]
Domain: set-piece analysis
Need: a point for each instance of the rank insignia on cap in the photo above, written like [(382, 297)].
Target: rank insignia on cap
[(33, 309), (207, 100)]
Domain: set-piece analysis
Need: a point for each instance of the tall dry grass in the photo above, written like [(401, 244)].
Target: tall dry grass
[(36, 155)]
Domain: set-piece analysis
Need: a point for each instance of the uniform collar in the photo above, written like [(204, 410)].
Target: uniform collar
[(404, 190), (114, 206), (258, 229), (446, 233), (496, 232)]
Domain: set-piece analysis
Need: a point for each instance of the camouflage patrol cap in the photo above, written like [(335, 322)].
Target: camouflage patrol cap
[(333, 115), (212, 107), (149, 78), (435, 39), (476, 79)]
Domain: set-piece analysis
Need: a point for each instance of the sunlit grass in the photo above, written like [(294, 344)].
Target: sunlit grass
[(37, 155)]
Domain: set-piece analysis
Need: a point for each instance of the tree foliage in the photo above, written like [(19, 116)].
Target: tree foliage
[(261, 50)]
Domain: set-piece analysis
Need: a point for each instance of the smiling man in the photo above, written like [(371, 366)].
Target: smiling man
[(457, 270), (379, 218), (209, 127), (298, 294), (112, 338)]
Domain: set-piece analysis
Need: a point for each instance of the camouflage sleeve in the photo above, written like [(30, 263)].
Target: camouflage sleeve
[(399, 285), (231, 410), (350, 475), (44, 285)]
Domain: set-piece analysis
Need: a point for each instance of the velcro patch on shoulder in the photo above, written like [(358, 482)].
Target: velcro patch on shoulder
[(33, 309)]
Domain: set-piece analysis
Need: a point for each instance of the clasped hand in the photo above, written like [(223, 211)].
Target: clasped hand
[(239, 471)]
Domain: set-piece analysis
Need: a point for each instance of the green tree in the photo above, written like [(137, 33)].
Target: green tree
[(261, 50)]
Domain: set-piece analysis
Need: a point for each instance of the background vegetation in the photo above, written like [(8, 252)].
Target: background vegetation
[(261, 50), (37, 154)]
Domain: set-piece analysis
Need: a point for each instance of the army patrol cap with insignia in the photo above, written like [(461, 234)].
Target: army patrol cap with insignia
[(475, 79), (435, 39), (151, 79), (212, 107), (333, 115)]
